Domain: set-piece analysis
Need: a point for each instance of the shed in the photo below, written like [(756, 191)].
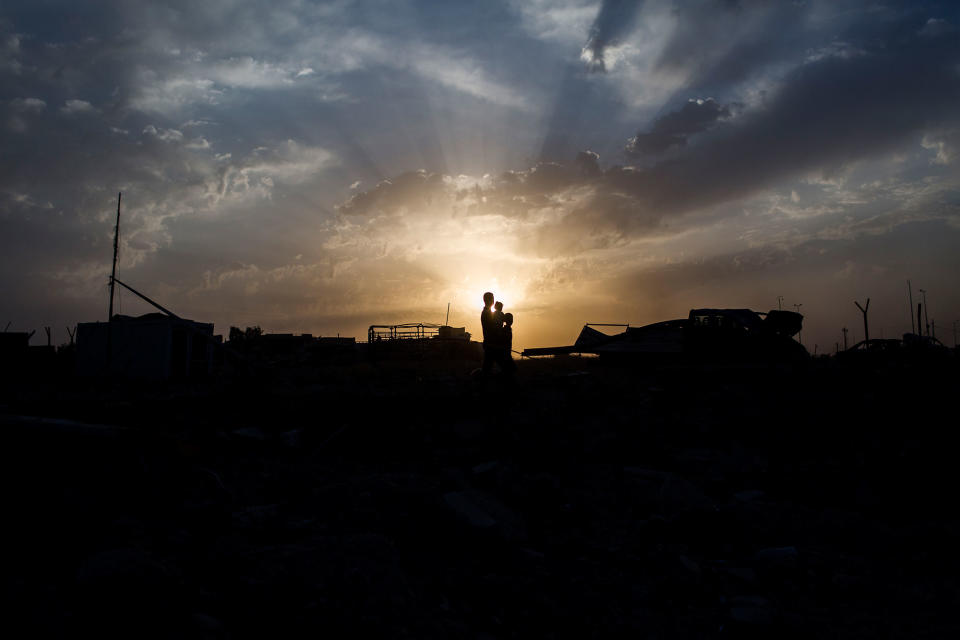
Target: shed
[(154, 346)]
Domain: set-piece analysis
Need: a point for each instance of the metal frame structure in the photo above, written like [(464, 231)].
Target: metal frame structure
[(408, 331)]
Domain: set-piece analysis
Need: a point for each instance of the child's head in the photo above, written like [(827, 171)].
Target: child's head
[(498, 306), (508, 319)]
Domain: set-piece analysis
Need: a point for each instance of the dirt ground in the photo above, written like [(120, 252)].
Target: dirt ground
[(403, 499)]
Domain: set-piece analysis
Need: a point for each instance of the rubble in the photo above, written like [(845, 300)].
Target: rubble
[(374, 504)]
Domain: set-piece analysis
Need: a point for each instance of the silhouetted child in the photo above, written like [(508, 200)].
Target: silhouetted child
[(498, 314), (508, 331), (506, 336)]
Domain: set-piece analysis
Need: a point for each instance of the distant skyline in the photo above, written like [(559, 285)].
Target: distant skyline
[(322, 166)]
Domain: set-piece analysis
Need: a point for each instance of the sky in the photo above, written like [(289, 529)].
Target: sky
[(317, 167)]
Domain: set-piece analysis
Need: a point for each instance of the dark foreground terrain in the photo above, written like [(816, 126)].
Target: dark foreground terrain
[(400, 500)]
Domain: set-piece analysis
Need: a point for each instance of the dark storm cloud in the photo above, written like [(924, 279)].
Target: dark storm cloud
[(827, 113), (840, 105), (672, 129), (719, 44), (614, 21), (588, 162)]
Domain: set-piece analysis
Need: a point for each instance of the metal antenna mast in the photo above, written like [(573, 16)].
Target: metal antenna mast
[(913, 328), (113, 271), (866, 328), (926, 317)]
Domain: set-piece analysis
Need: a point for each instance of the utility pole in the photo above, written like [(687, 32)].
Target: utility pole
[(866, 328), (913, 329), (113, 271), (780, 303), (113, 281), (926, 316), (448, 315), (799, 333), (844, 338)]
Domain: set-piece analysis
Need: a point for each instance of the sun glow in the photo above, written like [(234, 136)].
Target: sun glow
[(510, 293)]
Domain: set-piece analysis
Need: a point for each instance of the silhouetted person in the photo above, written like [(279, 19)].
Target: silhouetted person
[(507, 365), (491, 331), (498, 314)]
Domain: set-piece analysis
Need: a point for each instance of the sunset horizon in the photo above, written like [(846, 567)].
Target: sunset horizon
[(337, 166)]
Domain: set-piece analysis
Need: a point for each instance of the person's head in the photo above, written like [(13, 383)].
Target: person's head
[(498, 306), (487, 299), (508, 319)]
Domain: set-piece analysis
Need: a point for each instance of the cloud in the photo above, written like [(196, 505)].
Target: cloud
[(824, 115), (673, 129), (290, 162), (34, 105), (166, 135), (936, 27), (565, 21), (614, 20), (466, 76), (71, 107), (247, 73), (945, 143), (244, 135)]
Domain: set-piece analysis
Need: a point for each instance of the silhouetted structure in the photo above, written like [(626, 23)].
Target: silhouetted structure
[(419, 339), (154, 346), (14, 350), (288, 349), (724, 334)]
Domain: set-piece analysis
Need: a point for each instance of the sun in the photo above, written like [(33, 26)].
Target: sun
[(509, 293)]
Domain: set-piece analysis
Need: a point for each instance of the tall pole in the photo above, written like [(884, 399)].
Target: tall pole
[(913, 329), (844, 338), (780, 303), (448, 315), (926, 317), (113, 271)]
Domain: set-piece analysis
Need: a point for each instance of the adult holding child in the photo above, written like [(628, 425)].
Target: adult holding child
[(497, 336)]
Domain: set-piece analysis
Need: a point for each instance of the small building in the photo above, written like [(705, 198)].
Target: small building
[(14, 350), (154, 346)]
